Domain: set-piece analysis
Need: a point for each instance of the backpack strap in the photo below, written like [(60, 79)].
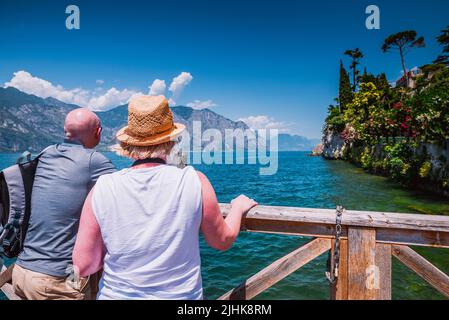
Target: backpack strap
[(26, 155), (13, 177), (19, 179)]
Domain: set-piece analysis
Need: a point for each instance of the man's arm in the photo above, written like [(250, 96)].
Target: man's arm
[(221, 233), (89, 250), (100, 165)]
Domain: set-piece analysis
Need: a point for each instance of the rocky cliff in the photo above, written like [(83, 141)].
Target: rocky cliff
[(333, 146)]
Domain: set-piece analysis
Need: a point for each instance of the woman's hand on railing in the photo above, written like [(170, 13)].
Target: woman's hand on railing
[(243, 204)]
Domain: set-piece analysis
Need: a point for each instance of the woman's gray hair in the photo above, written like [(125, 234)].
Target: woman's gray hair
[(139, 153)]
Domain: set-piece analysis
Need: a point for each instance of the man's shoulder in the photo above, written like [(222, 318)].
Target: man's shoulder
[(97, 155), (50, 150), (99, 165)]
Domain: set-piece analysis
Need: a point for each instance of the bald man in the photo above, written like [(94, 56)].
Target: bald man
[(64, 176)]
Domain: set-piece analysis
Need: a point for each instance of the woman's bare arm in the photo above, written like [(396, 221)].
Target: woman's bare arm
[(89, 250), (221, 233)]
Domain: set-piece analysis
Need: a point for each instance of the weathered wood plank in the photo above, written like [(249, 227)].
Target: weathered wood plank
[(6, 275), (8, 289), (339, 290), (413, 237), (426, 270), (321, 223), (278, 270), (361, 256), (383, 266)]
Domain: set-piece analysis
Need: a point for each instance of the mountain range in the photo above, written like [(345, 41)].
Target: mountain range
[(28, 122)]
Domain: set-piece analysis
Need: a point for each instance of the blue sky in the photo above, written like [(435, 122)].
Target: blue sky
[(274, 62)]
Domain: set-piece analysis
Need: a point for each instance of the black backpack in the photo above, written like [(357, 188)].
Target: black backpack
[(16, 184)]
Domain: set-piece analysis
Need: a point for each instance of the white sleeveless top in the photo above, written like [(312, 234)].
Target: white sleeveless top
[(150, 220)]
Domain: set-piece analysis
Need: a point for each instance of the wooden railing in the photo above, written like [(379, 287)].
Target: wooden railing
[(368, 242), (5, 283)]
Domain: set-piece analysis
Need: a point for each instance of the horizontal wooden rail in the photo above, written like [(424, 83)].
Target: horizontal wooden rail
[(392, 228)]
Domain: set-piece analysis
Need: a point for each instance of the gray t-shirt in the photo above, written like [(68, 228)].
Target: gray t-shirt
[(64, 176)]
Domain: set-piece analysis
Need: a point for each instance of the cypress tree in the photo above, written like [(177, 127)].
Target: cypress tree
[(345, 90), (367, 77), (382, 82)]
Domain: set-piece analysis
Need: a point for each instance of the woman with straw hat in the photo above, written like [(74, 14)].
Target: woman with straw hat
[(141, 224)]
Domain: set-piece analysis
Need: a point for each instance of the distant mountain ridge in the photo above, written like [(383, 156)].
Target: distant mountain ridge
[(28, 122)]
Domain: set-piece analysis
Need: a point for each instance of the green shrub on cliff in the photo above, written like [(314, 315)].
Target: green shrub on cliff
[(363, 110), (425, 169), (366, 159), (335, 121), (431, 108), (401, 161)]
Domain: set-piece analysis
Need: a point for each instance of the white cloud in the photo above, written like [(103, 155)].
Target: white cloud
[(95, 100), (100, 98), (157, 87), (180, 82), (112, 98), (198, 104), (265, 122)]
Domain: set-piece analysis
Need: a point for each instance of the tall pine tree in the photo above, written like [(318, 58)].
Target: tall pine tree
[(344, 91), (443, 40), (355, 55)]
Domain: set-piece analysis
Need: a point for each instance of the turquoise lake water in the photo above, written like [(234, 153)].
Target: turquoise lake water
[(304, 181)]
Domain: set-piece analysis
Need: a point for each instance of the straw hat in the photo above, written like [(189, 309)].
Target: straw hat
[(150, 122)]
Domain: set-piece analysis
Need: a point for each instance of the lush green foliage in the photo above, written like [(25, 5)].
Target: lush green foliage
[(335, 121), (383, 126), (430, 108)]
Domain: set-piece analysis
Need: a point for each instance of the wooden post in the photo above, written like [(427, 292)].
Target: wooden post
[(369, 266), (383, 262), (361, 254)]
